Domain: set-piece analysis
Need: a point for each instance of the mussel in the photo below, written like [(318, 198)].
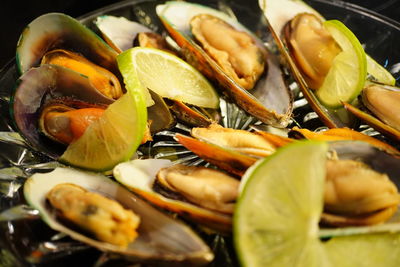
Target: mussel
[(188, 191), (312, 47), (236, 52), (369, 198), (99, 215), (124, 33), (270, 99), (232, 150), (102, 79), (59, 31), (41, 90), (379, 108), (206, 187), (355, 194), (159, 237), (65, 120)]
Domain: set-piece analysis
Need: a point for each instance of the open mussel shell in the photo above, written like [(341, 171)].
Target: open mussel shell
[(40, 85), (160, 237), (270, 100), (59, 31), (278, 14), (122, 33), (379, 161), (379, 104), (139, 176)]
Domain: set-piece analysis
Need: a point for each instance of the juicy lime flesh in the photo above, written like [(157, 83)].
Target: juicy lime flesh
[(379, 73), (276, 217), (347, 75), (111, 139), (169, 76), (364, 250)]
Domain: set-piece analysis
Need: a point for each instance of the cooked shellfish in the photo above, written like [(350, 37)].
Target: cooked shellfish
[(312, 47), (208, 188), (99, 215), (236, 52), (270, 100), (160, 237)]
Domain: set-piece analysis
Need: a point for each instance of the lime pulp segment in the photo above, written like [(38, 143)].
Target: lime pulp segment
[(276, 217), (112, 138), (169, 76), (348, 73)]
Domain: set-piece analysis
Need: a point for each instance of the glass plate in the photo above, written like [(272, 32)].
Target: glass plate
[(29, 242)]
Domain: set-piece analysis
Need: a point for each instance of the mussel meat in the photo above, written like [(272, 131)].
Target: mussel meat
[(312, 47), (270, 99), (65, 120), (384, 102), (236, 52), (175, 189), (355, 194), (102, 79), (208, 188), (99, 215), (159, 237)]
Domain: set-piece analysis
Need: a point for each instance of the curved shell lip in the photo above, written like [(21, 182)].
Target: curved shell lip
[(256, 101), (378, 160), (139, 176), (58, 30), (37, 86), (147, 246)]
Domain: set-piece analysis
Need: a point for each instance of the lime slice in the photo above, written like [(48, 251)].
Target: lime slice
[(380, 74), (364, 250), (168, 76), (347, 75), (113, 138), (276, 216)]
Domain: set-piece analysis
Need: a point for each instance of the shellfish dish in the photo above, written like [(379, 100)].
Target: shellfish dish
[(202, 133)]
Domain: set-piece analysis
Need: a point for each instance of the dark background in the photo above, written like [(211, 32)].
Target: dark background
[(16, 14)]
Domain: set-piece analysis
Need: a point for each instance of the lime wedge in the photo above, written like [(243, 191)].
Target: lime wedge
[(113, 138), (364, 250), (167, 75), (380, 74), (277, 214), (276, 217), (347, 75)]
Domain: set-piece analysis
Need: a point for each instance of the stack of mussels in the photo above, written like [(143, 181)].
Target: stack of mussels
[(69, 75)]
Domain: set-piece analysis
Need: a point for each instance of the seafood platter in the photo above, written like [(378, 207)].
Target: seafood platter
[(132, 136)]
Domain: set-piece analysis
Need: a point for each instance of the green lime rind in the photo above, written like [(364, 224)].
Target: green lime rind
[(344, 67), (130, 75), (113, 138), (276, 217)]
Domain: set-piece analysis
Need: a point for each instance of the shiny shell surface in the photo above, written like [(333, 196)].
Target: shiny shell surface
[(159, 236)]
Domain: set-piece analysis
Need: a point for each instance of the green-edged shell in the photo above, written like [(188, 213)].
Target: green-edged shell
[(270, 100), (160, 237)]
